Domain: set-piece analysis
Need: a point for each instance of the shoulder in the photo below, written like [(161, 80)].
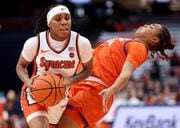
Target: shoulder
[(31, 41), (136, 45), (137, 53), (83, 41), (137, 48), (30, 48)]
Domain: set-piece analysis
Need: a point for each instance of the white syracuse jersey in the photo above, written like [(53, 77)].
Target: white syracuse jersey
[(64, 61)]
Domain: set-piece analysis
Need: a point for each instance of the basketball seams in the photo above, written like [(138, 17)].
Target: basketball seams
[(44, 89), (54, 88), (45, 81), (48, 89), (59, 89)]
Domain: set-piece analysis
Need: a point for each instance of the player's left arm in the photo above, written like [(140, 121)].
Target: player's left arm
[(87, 71), (85, 53), (136, 55)]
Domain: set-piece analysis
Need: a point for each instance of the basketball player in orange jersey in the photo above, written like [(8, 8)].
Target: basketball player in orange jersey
[(55, 49), (114, 62)]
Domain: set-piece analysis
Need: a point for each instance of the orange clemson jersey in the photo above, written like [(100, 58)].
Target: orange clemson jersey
[(109, 57)]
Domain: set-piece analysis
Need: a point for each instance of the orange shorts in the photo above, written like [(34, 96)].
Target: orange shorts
[(29, 107), (86, 103)]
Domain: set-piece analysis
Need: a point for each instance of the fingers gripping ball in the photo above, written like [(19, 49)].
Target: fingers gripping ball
[(49, 89)]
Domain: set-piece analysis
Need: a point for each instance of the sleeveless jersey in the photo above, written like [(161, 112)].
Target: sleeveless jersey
[(64, 61), (109, 58)]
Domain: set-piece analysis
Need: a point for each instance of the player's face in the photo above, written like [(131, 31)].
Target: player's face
[(150, 33), (149, 30), (60, 26)]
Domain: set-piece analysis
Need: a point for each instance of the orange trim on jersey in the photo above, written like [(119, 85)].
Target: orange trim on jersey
[(49, 44), (77, 46), (37, 51), (79, 64)]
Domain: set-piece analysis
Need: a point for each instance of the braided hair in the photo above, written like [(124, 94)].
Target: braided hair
[(41, 24), (164, 43)]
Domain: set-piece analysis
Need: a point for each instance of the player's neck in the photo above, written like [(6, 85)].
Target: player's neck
[(139, 39), (142, 40)]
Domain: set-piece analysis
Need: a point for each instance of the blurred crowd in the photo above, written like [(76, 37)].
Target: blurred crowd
[(11, 115)]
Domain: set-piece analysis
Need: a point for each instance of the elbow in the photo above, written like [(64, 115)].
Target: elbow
[(17, 68)]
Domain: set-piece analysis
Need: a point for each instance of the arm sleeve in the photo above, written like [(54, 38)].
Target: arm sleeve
[(29, 49), (137, 53), (85, 49)]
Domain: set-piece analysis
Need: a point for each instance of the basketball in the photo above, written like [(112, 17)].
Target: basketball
[(48, 90)]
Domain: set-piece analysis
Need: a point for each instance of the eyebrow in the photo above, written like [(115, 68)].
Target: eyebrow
[(154, 25)]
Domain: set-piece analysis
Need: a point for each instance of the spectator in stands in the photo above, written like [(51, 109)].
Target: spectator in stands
[(13, 115), (172, 79), (178, 96), (175, 60), (133, 98), (3, 123), (155, 71)]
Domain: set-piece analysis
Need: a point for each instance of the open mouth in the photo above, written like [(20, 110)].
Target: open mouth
[(64, 30)]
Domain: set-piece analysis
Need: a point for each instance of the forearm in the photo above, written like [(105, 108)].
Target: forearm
[(80, 76), (123, 78), (22, 73), (120, 83)]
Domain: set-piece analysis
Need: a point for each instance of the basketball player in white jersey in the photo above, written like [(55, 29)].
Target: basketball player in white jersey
[(55, 49)]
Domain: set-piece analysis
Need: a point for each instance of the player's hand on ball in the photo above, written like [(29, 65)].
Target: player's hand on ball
[(30, 86)]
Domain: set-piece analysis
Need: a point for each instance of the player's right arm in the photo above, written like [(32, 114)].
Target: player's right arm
[(21, 69), (26, 57)]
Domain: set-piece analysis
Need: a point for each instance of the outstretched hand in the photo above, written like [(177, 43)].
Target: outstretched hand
[(106, 94)]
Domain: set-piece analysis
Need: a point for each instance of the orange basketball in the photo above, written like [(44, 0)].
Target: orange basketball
[(48, 90)]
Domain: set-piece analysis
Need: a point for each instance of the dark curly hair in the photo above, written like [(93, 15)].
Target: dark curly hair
[(164, 43), (41, 24)]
